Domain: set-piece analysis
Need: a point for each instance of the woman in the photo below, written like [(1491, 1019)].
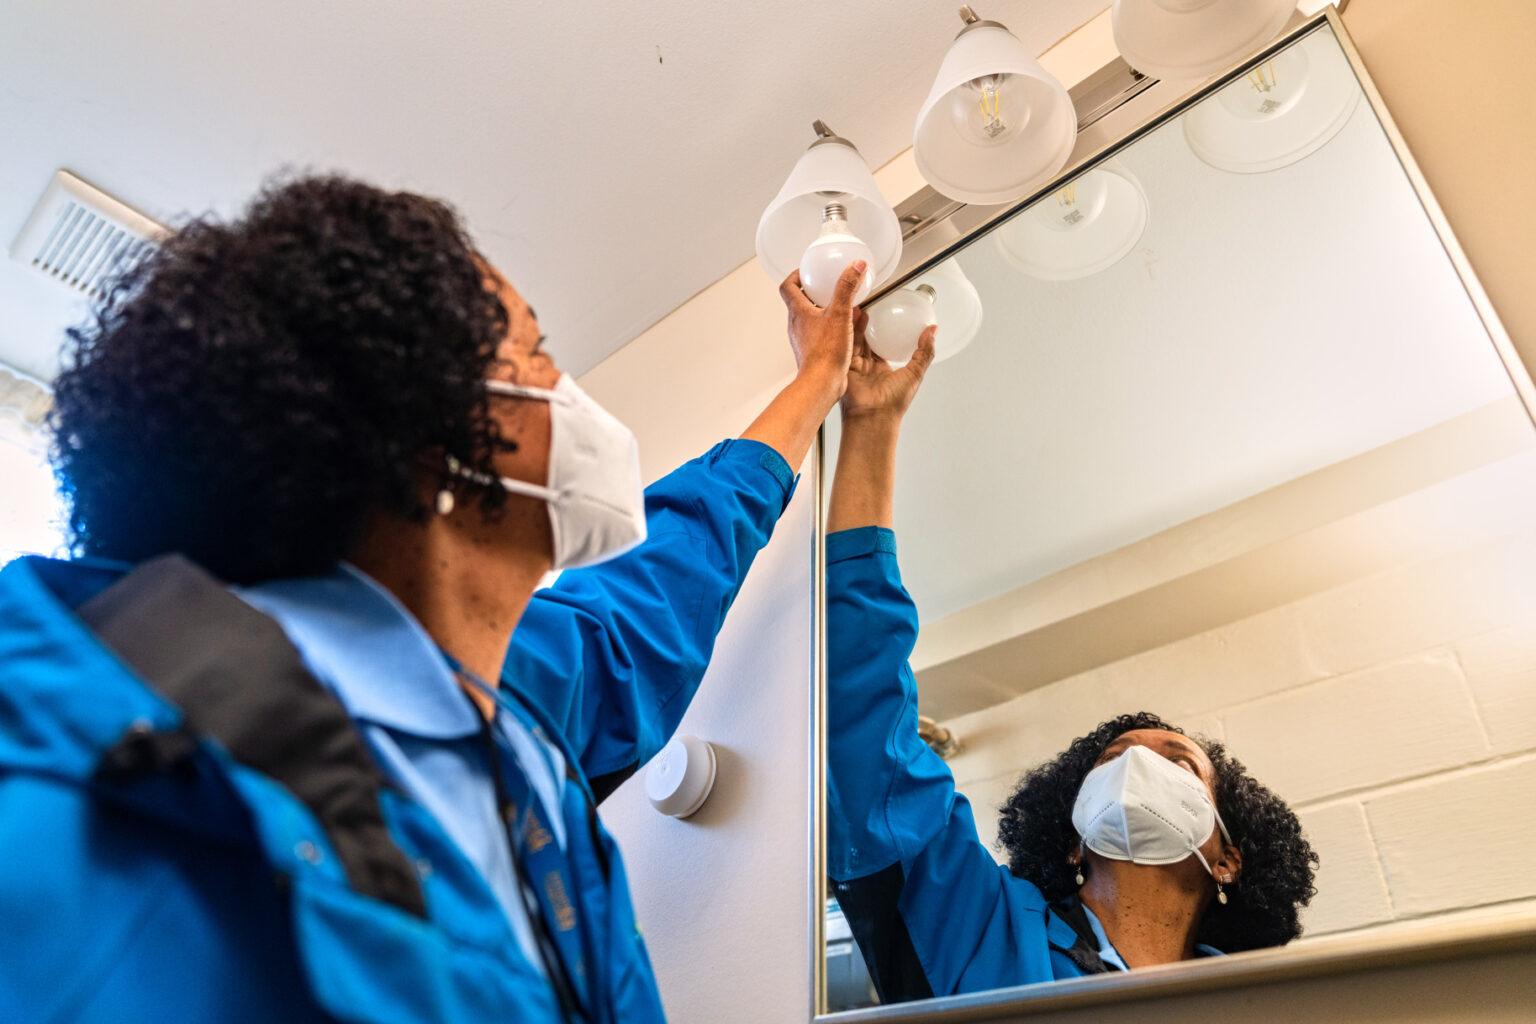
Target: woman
[(265, 753), (1138, 845)]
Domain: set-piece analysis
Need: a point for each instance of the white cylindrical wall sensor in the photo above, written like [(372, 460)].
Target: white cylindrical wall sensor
[(679, 779)]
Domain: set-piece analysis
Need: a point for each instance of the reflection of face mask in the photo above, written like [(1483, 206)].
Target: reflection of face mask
[(1143, 808), (596, 499)]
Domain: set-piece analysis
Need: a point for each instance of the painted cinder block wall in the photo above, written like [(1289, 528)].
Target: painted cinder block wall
[(1396, 714)]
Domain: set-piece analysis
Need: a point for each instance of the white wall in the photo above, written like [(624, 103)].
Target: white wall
[(709, 889)]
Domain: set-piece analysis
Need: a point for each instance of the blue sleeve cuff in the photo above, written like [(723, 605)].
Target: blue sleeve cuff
[(747, 452), (856, 543)]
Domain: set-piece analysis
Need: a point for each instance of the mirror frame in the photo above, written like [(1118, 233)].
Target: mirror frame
[(1117, 106)]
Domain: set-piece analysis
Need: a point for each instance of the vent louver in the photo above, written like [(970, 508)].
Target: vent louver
[(81, 237)]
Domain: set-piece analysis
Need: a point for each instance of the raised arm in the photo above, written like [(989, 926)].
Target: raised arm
[(612, 655), (932, 911)]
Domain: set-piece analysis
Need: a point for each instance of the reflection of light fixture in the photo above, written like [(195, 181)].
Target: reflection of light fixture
[(829, 174), (1185, 39), (945, 296), (940, 739), (1280, 112), (1084, 227), (996, 123)]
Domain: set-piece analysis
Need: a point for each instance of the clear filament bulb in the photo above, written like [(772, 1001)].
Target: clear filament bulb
[(1269, 90), (990, 110), (1075, 205)]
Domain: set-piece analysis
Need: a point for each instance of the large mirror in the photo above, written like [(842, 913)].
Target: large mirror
[(1212, 579)]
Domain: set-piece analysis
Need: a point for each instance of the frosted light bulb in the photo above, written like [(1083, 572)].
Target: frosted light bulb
[(898, 320), (991, 110), (1269, 90), (1076, 206), (828, 256)]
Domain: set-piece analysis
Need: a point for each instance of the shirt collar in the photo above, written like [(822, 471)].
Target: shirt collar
[(368, 650), (1110, 955)]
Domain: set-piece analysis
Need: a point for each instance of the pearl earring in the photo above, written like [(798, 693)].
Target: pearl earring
[(444, 501), (1221, 894), (1079, 878)]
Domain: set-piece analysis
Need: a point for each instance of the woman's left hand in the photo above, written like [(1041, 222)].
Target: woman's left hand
[(877, 389)]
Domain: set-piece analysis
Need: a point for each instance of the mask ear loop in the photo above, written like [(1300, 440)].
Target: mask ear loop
[(1221, 894), (510, 390), (507, 483)]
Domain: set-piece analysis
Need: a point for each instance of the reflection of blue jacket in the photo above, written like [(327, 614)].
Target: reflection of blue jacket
[(933, 913), (187, 833)]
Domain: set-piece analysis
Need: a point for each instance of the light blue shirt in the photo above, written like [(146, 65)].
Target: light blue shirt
[(362, 644), (1111, 956)]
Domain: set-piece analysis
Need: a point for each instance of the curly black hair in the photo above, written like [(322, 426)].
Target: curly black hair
[(1035, 828), (252, 391)]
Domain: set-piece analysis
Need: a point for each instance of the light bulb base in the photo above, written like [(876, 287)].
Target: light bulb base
[(928, 290), (834, 212)]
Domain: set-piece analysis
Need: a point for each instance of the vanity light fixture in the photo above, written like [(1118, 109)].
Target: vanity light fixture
[(1279, 113), (1193, 39), (945, 296), (828, 214), (996, 124), (1086, 226)]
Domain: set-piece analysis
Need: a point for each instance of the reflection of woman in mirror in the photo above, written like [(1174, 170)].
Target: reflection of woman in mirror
[(1138, 845)]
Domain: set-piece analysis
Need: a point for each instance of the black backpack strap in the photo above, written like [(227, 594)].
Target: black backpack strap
[(238, 680)]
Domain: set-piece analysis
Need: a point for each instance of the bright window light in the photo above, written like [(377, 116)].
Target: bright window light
[(31, 511)]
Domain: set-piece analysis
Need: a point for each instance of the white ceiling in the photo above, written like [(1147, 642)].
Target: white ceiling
[(1265, 326), (613, 159)]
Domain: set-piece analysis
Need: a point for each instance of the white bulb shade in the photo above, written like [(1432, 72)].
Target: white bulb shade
[(1058, 241), (793, 220), (1043, 123), (1192, 39), (1315, 94), (896, 322), (898, 319), (824, 262)]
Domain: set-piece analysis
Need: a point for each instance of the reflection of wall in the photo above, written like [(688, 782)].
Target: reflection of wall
[(1396, 712), (1437, 490)]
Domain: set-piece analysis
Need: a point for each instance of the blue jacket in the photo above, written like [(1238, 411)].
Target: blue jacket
[(933, 913), (162, 862)]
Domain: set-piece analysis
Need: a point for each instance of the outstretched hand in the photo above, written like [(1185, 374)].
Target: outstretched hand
[(874, 386)]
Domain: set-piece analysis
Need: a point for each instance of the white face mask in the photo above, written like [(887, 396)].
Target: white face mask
[(595, 495), (1143, 808)]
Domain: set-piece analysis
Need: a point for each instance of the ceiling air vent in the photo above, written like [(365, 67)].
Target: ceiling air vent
[(81, 237)]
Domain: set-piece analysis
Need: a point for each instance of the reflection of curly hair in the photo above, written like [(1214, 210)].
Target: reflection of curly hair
[(252, 391), (1278, 862)]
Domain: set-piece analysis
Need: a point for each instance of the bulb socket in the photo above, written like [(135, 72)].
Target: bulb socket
[(973, 20)]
